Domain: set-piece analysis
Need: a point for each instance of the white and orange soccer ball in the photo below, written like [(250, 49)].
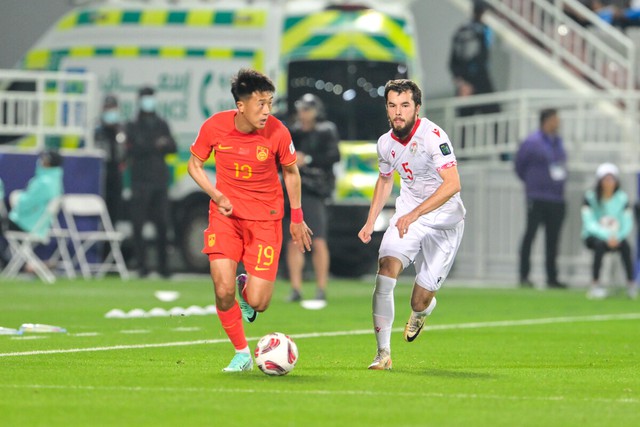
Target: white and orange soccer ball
[(276, 354)]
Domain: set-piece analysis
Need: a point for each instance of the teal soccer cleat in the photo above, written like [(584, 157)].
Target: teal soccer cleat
[(240, 362)]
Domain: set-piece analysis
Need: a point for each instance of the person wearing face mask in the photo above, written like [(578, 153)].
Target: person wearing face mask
[(607, 222), (111, 138), (149, 140)]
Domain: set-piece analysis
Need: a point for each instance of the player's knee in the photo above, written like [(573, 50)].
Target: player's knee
[(389, 267), (225, 295)]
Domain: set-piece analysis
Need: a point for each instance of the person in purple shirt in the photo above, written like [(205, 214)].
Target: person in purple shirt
[(541, 165)]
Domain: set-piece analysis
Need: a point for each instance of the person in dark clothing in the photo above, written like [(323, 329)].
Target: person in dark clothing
[(541, 165), (469, 61), (316, 142), (148, 141), (110, 136)]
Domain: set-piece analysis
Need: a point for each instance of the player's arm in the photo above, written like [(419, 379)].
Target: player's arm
[(381, 194), (449, 187), (197, 172), (300, 233)]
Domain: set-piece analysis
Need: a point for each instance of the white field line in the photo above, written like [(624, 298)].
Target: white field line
[(327, 392), (473, 325)]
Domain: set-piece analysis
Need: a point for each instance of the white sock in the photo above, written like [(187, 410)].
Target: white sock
[(427, 311), (244, 350), (383, 310)]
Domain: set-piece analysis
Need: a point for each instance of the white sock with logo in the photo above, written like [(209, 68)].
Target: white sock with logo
[(383, 310)]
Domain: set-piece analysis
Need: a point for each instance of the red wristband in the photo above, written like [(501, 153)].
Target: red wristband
[(296, 216)]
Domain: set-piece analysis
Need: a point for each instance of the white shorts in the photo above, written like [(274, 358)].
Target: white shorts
[(431, 250)]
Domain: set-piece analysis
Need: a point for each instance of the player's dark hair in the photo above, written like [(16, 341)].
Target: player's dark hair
[(248, 81), (546, 114), (599, 190), (404, 85), (51, 158)]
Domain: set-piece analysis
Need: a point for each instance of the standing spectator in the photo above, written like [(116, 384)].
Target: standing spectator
[(316, 141), (541, 164), (111, 138), (469, 61), (149, 140), (606, 224)]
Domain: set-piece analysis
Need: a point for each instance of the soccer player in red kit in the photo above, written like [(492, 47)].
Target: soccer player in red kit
[(247, 203)]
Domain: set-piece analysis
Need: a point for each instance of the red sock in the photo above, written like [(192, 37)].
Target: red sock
[(232, 323)]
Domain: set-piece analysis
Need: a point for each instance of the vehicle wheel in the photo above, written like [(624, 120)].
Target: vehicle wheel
[(191, 238)]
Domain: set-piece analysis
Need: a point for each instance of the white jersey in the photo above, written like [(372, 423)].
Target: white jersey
[(418, 160)]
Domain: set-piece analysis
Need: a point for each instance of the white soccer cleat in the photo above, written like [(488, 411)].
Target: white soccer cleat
[(382, 361), (597, 292), (413, 327)]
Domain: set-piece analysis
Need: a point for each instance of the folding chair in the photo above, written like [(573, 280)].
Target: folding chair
[(22, 244), (87, 206)]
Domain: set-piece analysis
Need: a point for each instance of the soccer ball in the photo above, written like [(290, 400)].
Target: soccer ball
[(276, 354)]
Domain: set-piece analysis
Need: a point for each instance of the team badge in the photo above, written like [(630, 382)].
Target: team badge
[(262, 153), (292, 148), (413, 148), (211, 240), (445, 149)]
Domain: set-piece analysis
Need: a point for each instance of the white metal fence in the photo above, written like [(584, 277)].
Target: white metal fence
[(495, 223), (595, 127), (599, 52), (47, 104)]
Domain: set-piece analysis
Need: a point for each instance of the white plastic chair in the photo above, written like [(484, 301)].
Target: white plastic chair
[(75, 206), (22, 244)]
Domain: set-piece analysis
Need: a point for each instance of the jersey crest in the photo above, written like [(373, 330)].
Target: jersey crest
[(262, 153)]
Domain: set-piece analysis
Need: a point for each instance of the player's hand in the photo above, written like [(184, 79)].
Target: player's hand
[(301, 235), (404, 222), (365, 233), (224, 205)]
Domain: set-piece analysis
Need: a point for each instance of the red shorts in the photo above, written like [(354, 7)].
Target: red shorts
[(256, 243)]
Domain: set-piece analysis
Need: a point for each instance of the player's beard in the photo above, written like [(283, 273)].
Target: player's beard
[(404, 131)]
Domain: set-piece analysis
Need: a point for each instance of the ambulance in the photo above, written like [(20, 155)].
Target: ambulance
[(342, 51)]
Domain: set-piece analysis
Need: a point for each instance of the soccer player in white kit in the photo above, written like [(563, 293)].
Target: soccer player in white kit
[(427, 226)]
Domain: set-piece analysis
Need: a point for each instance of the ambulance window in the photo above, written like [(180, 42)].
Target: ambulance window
[(352, 93)]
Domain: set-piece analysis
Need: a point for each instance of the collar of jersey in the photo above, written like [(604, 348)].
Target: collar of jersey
[(408, 138)]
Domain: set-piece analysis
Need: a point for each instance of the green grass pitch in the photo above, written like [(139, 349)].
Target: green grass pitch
[(489, 357)]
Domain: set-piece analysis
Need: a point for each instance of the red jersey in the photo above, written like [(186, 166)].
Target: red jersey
[(247, 164)]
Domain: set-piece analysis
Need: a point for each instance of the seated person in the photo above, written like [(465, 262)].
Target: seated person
[(4, 256), (45, 185), (606, 224)]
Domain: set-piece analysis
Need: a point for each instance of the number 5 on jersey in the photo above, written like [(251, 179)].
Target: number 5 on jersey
[(405, 167)]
